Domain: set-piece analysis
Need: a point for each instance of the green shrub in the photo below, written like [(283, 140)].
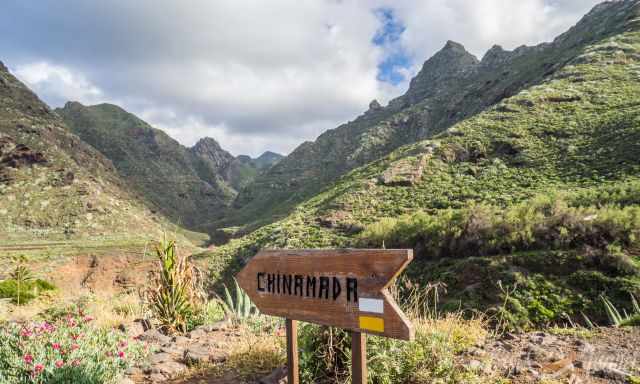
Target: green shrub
[(543, 222), (70, 350), (22, 293), (431, 357)]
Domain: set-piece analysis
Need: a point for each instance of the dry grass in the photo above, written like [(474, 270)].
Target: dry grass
[(252, 354)]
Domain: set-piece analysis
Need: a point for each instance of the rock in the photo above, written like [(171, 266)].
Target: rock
[(133, 371), (586, 348), (160, 357), (473, 365), (197, 333), (543, 339), (201, 354), (180, 340), (167, 369), (133, 329), (404, 172), (612, 374), (535, 352), (278, 376), (196, 354), (157, 378), (154, 336), (220, 325), (374, 105), (172, 349), (476, 352)]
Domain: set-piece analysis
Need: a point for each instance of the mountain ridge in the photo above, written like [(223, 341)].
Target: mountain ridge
[(190, 185), (465, 87), (528, 209), (53, 185)]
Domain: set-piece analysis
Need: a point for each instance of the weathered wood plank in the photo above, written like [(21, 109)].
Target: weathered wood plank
[(358, 358), (293, 370), (325, 287)]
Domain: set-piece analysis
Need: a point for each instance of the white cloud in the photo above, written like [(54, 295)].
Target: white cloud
[(57, 83), (255, 75)]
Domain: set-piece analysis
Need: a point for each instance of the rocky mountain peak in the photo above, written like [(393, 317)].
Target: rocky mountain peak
[(374, 105), (451, 62), (210, 150), (453, 46), (495, 56), (3, 68), (267, 159), (207, 144)]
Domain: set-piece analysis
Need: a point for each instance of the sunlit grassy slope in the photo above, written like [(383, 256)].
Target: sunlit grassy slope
[(530, 208)]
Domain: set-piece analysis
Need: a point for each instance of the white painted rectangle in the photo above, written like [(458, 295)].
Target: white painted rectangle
[(370, 305)]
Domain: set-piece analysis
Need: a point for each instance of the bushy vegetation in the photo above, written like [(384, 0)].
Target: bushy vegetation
[(431, 357), (528, 209), (22, 286), (68, 350), (22, 293), (544, 222)]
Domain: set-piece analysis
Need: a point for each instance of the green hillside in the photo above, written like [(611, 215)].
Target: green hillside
[(452, 86), (530, 207), (55, 187), (191, 186)]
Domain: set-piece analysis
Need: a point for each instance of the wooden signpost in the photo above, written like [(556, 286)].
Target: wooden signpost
[(345, 288)]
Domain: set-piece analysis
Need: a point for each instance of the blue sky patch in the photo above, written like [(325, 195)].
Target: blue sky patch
[(396, 59)]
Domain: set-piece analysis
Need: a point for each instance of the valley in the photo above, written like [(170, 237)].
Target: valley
[(514, 178)]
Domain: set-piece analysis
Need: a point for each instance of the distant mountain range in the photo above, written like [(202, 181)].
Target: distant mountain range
[(191, 186)]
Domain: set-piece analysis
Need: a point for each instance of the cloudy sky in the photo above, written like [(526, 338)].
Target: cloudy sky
[(255, 75)]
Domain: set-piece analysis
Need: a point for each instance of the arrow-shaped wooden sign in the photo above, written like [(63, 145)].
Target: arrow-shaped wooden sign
[(341, 288)]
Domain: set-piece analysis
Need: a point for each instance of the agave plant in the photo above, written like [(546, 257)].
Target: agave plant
[(240, 306), (174, 294), (624, 318)]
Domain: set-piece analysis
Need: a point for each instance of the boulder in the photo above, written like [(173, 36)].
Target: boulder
[(154, 336), (168, 369)]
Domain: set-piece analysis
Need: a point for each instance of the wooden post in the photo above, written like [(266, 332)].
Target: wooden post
[(292, 352), (359, 358)]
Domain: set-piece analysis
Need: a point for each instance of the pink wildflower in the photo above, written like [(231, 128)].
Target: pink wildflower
[(38, 368), (59, 364), (121, 354), (28, 359), (88, 319), (25, 332), (123, 344), (55, 346), (74, 347), (75, 363)]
